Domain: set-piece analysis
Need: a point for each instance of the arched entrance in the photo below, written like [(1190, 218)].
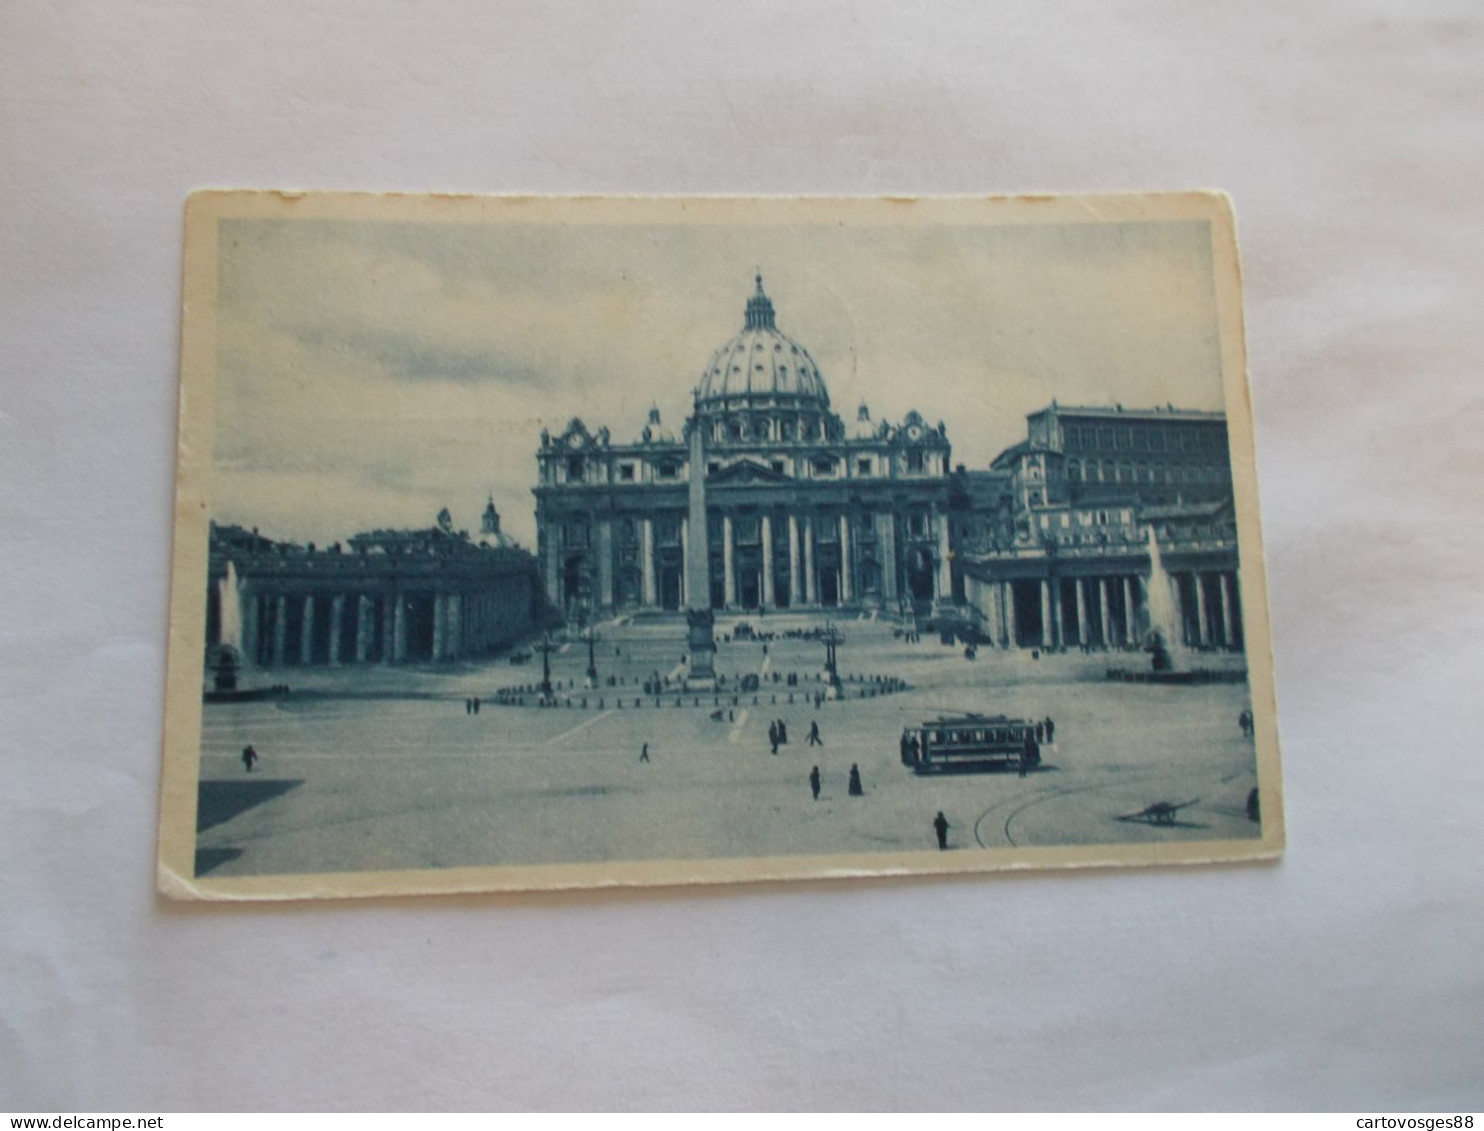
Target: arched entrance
[(920, 574)]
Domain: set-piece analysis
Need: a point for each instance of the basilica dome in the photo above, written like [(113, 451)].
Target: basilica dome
[(761, 366)]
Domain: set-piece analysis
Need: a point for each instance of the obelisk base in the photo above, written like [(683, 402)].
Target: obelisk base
[(701, 645)]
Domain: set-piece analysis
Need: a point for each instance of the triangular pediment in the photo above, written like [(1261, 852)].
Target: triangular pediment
[(747, 471)]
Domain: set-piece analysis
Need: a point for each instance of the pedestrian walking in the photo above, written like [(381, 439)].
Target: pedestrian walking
[(476, 704), (1041, 731), (249, 757), (644, 753), (855, 781), (941, 826), (773, 736), (814, 782), (1050, 731), (468, 706), (814, 739), (782, 733)]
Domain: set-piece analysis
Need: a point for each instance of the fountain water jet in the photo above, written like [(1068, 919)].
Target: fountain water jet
[(231, 609), (1165, 640)]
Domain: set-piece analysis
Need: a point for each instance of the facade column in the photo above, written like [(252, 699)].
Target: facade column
[(1103, 608), (728, 562), (1012, 618), (810, 596), (440, 625), (306, 632), (553, 566), (847, 589), (886, 541), (945, 556), (337, 619), (363, 628), (996, 614), (1130, 615), (605, 563), (1227, 624), (795, 574), (1202, 629), (1081, 584), (280, 629), (646, 563), (1046, 628), (767, 532)]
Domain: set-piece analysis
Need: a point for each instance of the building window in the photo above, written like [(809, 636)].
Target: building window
[(576, 466), (748, 530), (915, 461), (668, 471), (863, 467), (917, 525), (669, 532), (626, 472), (777, 465), (713, 467), (824, 465), (1156, 441), (1074, 471), (576, 534), (786, 429)]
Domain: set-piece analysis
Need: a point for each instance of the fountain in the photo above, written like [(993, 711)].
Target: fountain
[(1164, 643), (1169, 659), (225, 659)]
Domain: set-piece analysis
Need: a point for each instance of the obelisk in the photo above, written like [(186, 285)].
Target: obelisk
[(699, 618)]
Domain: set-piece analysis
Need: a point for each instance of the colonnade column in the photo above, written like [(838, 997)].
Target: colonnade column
[(1081, 584), (1103, 605), (1012, 625), (337, 618), (846, 589), (389, 627), (306, 632), (728, 563), (1179, 605), (810, 598), (553, 567), (1203, 631), (795, 589), (453, 632), (280, 629), (250, 630), (1227, 623), (646, 562), (440, 625), (1130, 614), (399, 630), (363, 628), (767, 533)]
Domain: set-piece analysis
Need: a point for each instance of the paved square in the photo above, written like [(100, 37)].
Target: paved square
[(385, 769)]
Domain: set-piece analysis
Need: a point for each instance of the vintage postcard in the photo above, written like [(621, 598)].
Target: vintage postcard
[(534, 543)]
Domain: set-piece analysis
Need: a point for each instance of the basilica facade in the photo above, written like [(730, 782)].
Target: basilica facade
[(804, 509), (1048, 547)]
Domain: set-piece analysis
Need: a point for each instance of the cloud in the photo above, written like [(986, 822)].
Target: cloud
[(369, 373)]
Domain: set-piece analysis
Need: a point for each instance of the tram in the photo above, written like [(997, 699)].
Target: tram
[(970, 742)]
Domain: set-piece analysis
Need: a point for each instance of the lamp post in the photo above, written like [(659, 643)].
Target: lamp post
[(592, 658), (545, 649), (831, 640)]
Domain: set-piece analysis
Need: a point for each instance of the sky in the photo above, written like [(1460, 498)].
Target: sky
[(371, 372)]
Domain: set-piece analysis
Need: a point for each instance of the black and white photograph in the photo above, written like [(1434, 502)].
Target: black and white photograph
[(568, 543)]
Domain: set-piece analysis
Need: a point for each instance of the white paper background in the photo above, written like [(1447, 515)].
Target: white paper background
[(1351, 975)]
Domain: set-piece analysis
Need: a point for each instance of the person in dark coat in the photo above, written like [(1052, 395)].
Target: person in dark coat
[(644, 753), (1050, 730), (773, 736), (814, 782), (855, 781), (814, 739), (476, 704), (1030, 754), (249, 757), (782, 733), (940, 826)]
